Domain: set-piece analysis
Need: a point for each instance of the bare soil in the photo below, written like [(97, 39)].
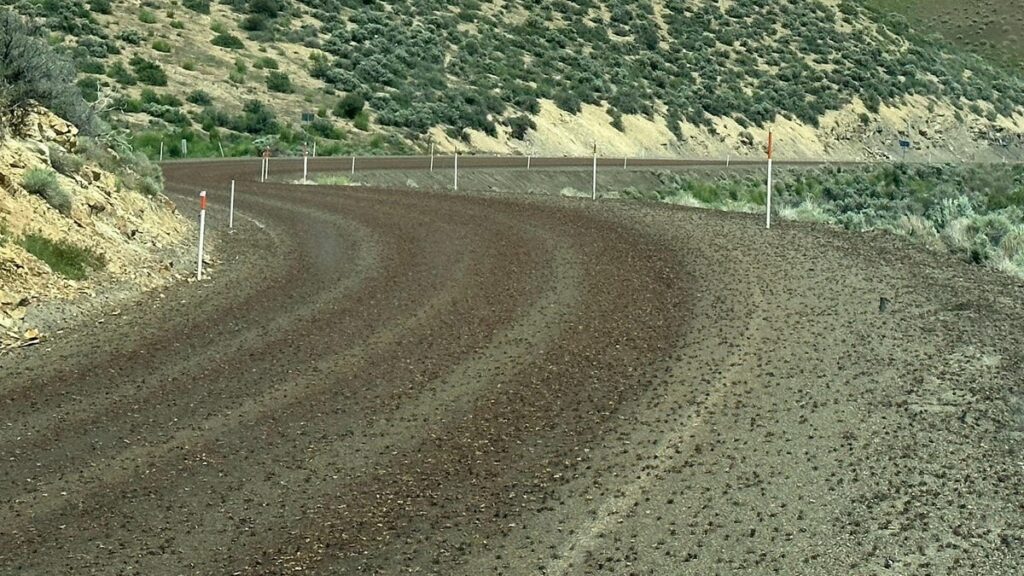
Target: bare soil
[(387, 381)]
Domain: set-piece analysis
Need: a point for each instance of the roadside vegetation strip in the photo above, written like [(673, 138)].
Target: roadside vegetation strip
[(70, 261), (975, 212)]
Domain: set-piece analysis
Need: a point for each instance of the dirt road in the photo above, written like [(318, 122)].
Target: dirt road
[(393, 382)]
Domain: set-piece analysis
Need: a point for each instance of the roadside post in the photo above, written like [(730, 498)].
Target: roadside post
[(161, 150), (231, 207), (456, 169), (431, 156), (202, 234), (184, 148), (305, 162), (905, 145), (625, 162), (593, 195), (768, 211), (529, 158), (353, 165), (265, 171)]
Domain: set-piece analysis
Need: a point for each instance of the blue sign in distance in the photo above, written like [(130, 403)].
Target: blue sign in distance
[(905, 143)]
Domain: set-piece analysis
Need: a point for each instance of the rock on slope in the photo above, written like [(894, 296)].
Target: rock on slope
[(135, 234)]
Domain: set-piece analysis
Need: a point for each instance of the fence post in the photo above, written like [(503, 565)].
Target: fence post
[(231, 208), (594, 192), (456, 170)]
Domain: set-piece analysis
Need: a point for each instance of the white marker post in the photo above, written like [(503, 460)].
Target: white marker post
[(231, 207), (202, 233), (593, 195), (625, 162), (456, 170), (305, 163), (768, 211), (431, 156), (314, 147), (184, 148), (161, 150), (353, 165)]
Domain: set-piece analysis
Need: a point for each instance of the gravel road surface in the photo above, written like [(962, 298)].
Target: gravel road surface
[(384, 381)]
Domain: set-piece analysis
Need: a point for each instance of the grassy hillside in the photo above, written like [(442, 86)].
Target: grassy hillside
[(693, 74), (991, 28)]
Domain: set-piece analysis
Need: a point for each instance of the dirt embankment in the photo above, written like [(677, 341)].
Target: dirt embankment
[(78, 209)]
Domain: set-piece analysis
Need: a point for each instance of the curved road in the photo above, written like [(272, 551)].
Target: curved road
[(388, 381)]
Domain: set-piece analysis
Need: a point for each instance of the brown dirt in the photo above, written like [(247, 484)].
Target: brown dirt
[(382, 381)]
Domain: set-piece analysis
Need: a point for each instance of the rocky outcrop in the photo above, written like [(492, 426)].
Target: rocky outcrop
[(137, 235)]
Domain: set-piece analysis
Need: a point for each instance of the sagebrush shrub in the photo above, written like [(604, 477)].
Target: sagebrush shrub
[(43, 183), (64, 162), (30, 71)]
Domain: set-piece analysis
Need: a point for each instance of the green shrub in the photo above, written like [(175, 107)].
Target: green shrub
[(120, 74), (31, 72), (72, 262), (147, 16), (520, 125), (148, 72), (200, 98), (200, 6), (63, 162), (43, 183), (161, 45), (279, 82), (100, 6), (362, 121), (265, 62), (349, 106), (149, 186), (229, 41), (89, 87)]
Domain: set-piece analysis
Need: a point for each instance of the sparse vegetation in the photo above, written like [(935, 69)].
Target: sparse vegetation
[(410, 67), (148, 72), (43, 183), (279, 82), (31, 72), (971, 211), (70, 261), (64, 162), (349, 106), (161, 45), (229, 41)]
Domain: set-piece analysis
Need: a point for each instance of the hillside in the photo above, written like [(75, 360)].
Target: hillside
[(677, 77), (83, 218), (991, 28)]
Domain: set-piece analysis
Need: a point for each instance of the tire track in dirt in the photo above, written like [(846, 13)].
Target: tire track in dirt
[(142, 456), (527, 386)]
